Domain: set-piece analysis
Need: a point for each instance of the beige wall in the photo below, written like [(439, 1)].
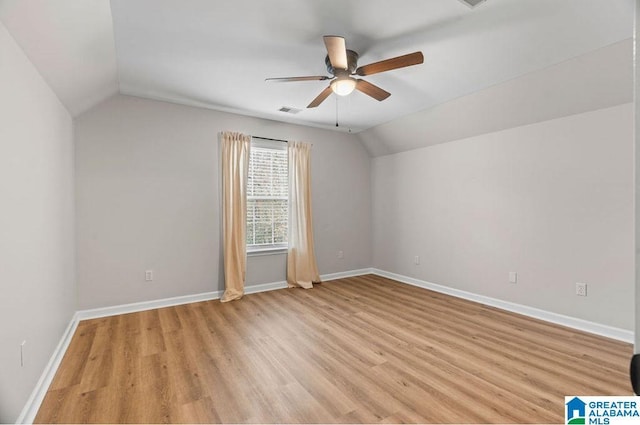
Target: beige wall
[(37, 282), (551, 201), (147, 198)]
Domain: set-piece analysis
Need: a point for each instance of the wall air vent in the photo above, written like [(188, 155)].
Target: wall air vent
[(289, 110), (472, 3)]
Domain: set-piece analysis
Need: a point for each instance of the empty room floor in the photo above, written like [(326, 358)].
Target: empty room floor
[(358, 350)]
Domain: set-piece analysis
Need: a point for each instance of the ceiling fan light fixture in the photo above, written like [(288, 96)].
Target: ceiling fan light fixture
[(343, 86)]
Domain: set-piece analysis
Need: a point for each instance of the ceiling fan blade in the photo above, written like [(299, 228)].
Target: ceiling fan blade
[(337, 50), (372, 90), (321, 97), (389, 64), (289, 79)]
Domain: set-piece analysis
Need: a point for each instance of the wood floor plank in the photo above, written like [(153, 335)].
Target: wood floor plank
[(78, 354), (199, 412), (364, 349), (97, 371)]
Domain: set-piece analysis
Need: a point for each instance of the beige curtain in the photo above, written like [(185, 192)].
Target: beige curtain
[(302, 270), (235, 167)]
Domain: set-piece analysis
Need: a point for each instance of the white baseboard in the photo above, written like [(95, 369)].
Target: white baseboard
[(342, 275), (253, 289), (37, 396), (96, 313), (572, 322), (264, 287), (30, 409), (560, 319)]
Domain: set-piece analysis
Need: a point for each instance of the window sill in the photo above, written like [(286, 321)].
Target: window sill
[(266, 251)]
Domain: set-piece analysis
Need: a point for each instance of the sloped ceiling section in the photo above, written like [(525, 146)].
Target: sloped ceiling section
[(71, 43), (596, 80)]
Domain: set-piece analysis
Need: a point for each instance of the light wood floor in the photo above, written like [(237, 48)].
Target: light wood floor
[(363, 349)]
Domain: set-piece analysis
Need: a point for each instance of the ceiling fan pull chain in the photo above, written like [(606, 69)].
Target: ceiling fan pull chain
[(348, 114), (336, 110)]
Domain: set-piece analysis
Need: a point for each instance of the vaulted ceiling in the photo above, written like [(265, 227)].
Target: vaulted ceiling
[(217, 54)]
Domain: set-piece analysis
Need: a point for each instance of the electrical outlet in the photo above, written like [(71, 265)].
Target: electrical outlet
[(22, 353), (340, 254), (148, 275), (513, 277), (581, 289), (416, 260)]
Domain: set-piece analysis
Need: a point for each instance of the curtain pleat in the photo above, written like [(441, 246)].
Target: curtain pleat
[(235, 167), (302, 270)]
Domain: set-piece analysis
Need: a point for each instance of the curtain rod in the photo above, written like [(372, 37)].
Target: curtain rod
[(268, 138), (275, 140)]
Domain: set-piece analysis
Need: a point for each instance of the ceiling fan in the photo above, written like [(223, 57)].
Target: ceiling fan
[(343, 63)]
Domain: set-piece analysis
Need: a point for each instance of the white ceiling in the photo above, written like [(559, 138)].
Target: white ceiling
[(216, 54), (71, 43)]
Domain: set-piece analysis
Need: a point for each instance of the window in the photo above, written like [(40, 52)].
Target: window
[(267, 196)]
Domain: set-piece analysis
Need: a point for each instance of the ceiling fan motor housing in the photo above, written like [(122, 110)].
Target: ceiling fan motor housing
[(352, 62)]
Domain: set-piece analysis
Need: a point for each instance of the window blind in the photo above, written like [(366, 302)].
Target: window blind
[(267, 198)]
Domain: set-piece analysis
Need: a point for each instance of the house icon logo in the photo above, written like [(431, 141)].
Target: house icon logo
[(576, 411)]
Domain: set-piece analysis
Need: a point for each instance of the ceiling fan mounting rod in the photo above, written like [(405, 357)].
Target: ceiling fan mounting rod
[(352, 64)]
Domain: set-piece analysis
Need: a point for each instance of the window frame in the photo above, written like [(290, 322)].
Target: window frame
[(268, 249)]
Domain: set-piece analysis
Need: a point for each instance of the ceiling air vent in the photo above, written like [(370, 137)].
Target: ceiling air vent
[(472, 3), (289, 110)]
